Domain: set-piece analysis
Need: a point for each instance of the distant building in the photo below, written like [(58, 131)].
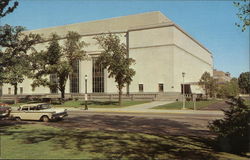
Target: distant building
[(162, 51), (221, 77)]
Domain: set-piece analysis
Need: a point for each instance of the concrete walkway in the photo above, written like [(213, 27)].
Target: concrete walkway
[(147, 108)]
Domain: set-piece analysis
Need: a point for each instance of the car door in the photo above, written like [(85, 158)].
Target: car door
[(32, 113), (23, 113)]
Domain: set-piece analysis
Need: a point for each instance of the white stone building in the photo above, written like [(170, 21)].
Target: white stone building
[(161, 49)]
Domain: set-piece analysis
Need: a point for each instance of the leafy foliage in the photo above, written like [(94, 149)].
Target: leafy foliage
[(14, 61), (6, 8), (208, 84), (233, 130), (114, 58), (57, 60), (243, 13), (229, 89), (244, 82)]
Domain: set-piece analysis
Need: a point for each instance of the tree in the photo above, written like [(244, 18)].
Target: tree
[(208, 84), (114, 59), (233, 131), (14, 60), (57, 60), (244, 82), (229, 89), (5, 31), (243, 13), (6, 8)]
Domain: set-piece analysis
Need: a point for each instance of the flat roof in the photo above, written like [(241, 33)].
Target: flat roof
[(121, 24), (117, 24)]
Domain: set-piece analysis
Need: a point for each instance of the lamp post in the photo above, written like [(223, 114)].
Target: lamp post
[(86, 94), (183, 90)]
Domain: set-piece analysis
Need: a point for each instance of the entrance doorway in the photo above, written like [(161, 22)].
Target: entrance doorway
[(187, 89), (161, 87)]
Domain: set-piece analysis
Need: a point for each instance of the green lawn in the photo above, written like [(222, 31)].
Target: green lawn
[(99, 104), (93, 104), (189, 105), (38, 141), (247, 102)]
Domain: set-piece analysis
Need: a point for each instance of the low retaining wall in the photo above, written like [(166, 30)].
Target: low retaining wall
[(91, 96)]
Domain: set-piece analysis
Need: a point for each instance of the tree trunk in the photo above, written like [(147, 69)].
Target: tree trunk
[(62, 95), (15, 93), (15, 89), (120, 96), (206, 93)]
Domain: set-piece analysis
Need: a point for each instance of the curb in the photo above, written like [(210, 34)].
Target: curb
[(153, 112)]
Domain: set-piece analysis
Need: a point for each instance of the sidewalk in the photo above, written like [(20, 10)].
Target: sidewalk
[(146, 108)]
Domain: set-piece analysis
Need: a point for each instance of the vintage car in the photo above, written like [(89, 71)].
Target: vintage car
[(38, 111), (4, 110)]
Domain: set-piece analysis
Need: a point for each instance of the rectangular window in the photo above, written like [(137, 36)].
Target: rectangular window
[(74, 78), (140, 87), (53, 79), (1, 90), (21, 90), (97, 77), (161, 87), (9, 90)]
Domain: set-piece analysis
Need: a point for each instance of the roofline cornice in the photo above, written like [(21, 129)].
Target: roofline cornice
[(167, 24)]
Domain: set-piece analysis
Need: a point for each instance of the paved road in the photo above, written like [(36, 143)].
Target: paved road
[(149, 123), (152, 123), (147, 114)]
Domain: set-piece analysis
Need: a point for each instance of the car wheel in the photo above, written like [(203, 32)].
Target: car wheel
[(18, 119), (45, 118)]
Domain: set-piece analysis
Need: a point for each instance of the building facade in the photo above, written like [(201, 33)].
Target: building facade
[(221, 77), (161, 49)]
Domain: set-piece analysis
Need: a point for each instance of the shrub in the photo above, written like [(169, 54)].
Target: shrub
[(233, 130), (229, 89)]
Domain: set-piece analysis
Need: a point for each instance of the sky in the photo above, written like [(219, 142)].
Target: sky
[(212, 23)]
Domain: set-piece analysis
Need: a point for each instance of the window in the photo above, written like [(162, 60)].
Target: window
[(97, 77), (9, 90), (21, 90), (187, 89), (25, 108), (1, 90), (33, 107), (140, 87), (53, 79), (74, 78), (161, 87)]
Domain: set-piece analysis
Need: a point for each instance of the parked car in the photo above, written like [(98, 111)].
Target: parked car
[(38, 111), (4, 110)]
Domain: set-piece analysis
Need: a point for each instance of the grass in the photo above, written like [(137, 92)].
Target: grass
[(247, 102), (33, 141), (99, 104), (94, 104), (188, 104)]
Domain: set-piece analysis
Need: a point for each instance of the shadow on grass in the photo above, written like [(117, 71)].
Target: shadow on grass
[(123, 137), (123, 145), (9, 123)]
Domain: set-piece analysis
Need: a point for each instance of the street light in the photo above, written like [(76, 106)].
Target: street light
[(86, 94), (183, 90)]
